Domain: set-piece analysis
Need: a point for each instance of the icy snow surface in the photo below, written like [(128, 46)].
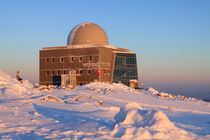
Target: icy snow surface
[(98, 111)]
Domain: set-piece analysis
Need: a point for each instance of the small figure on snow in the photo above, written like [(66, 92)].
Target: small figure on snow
[(18, 76)]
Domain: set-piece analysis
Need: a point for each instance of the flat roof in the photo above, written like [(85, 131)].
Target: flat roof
[(84, 46)]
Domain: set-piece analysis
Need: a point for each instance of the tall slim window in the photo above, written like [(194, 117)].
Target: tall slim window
[(52, 60), (71, 59), (108, 72), (53, 73), (88, 72), (47, 73), (47, 60), (90, 59), (65, 72), (80, 59), (80, 71), (61, 59)]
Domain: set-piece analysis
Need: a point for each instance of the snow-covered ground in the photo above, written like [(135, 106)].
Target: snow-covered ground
[(98, 111)]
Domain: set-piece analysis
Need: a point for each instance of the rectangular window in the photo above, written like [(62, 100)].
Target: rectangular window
[(65, 72), (61, 59), (80, 59), (59, 72), (90, 59), (108, 72), (47, 60), (88, 72), (52, 60), (77, 71), (53, 73), (80, 71), (47, 73), (71, 59)]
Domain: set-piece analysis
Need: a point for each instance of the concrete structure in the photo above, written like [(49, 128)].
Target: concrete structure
[(89, 56)]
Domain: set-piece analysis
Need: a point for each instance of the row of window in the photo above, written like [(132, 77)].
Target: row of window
[(71, 59), (78, 83), (59, 72), (80, 71)]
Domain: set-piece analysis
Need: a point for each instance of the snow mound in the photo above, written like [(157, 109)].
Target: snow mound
[(166, 95), (152, 90), (13, 88), (161, 94), (50, 98), (128, 114), (133, 122), (106, 87)]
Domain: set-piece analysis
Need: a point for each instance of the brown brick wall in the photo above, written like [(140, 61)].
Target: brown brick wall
[(67, 64), (106, 56)]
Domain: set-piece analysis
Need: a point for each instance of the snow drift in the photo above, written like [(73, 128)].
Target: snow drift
[(134, 122), (98, 111), (13, 88)]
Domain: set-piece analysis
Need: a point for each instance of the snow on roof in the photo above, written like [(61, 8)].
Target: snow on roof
[(134, 80)]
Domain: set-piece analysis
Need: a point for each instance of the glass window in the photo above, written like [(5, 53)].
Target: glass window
[(47, 73), (53, 72), (47, 60), (66, 72), (71, 59), (61, 60), (90, 58), (80, 59), (108, 72), (80, 71), (125, 68), (88, 72), (52, 60)]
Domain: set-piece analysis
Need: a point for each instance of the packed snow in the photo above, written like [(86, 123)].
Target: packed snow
[(98, 111)]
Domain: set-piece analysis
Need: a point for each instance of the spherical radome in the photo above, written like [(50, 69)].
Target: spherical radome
[(87, 34)]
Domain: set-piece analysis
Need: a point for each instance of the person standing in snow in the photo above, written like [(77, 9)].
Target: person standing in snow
[(18, 76)]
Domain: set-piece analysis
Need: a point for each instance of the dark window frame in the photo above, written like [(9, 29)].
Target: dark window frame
[(71, 59), (80, 59), (53, 60), (88, 72), (90, 58), (61, 59), (47, 73)]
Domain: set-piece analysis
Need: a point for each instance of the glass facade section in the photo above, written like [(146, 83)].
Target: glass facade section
[(125, 68)]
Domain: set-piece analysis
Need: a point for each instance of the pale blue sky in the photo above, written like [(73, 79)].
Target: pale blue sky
[(171, 37)]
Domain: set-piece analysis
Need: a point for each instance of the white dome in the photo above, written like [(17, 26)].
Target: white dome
[(87, 33)]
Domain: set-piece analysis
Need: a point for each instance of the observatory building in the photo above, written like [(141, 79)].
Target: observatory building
[(88, 57)]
